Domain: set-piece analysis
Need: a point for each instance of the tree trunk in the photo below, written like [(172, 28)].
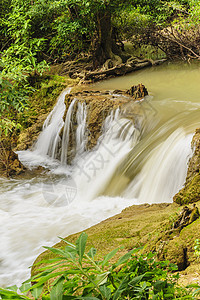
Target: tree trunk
[(104, 44)]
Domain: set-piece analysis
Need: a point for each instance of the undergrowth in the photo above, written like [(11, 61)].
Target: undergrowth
[(75, 274)]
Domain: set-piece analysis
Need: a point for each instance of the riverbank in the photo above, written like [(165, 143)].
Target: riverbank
[(147, 226)]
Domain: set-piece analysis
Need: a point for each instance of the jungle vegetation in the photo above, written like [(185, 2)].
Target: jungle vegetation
[(35, 34)]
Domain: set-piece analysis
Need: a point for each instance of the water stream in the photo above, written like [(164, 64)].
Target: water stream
[(131, 164)]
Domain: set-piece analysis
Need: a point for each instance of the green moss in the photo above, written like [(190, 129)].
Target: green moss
[(135, 226), (190, 193)]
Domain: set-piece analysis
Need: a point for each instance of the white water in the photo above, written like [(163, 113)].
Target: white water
[(66, 132), (49, 138), (34, 211), (81, 132), (164, 171)]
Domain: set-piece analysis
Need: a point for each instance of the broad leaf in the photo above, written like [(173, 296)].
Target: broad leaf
[(24, 287), (136, 280), (124, 258), (13, 288)]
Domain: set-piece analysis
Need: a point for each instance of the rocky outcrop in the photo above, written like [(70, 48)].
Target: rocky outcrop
[(190, 193), (99, 105), (29, 136), (9, 162)]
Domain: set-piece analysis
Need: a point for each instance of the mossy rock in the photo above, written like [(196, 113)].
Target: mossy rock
[(135, 226), (180, 250), (190, 193), (176, 252), (142, 225)]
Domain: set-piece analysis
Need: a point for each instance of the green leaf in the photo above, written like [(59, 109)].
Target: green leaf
[(13, 288), (106, 292), (71, 252), (36, 292), (44, 279), (57, 290), (47, 261), (6, 294), (136, 280), (68, 297), (80, 245), (109, 256), (25, 286), (92, 253), (124, 258), (88, 298), (123, 286), (101, 279), (58, 252)]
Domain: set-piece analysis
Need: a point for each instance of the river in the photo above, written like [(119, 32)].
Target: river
[(141, 163)]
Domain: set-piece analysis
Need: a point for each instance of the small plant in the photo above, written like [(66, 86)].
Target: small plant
[(197, 248), (75, 274)]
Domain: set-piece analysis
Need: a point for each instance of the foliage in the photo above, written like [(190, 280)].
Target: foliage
[(74, 273), (35, 33), (13, 100)]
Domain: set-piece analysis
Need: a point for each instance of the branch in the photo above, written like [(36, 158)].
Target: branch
[(180, 44)]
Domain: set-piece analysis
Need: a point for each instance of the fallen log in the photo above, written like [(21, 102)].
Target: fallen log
[(121, 69)]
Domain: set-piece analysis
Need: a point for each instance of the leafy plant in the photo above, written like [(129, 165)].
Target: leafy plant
[(75, 274)]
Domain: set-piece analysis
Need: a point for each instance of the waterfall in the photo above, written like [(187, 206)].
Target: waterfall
[(164, 171), (34, 211), (81, 131), (97, 167), (66, 131), (49, 138)]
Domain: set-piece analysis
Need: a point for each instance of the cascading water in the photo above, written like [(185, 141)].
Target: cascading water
[(164, 171), (81, 131), (131, 164), (49, 138), (66, 132)]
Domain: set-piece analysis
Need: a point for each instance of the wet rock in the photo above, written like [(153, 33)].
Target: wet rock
[(137, 91), (99, 106)]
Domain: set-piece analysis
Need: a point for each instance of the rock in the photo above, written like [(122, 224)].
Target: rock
[(194, 214), (137, 91), (177, 253), (9, 162), (186, 217), (99, 105), (29, 136)]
